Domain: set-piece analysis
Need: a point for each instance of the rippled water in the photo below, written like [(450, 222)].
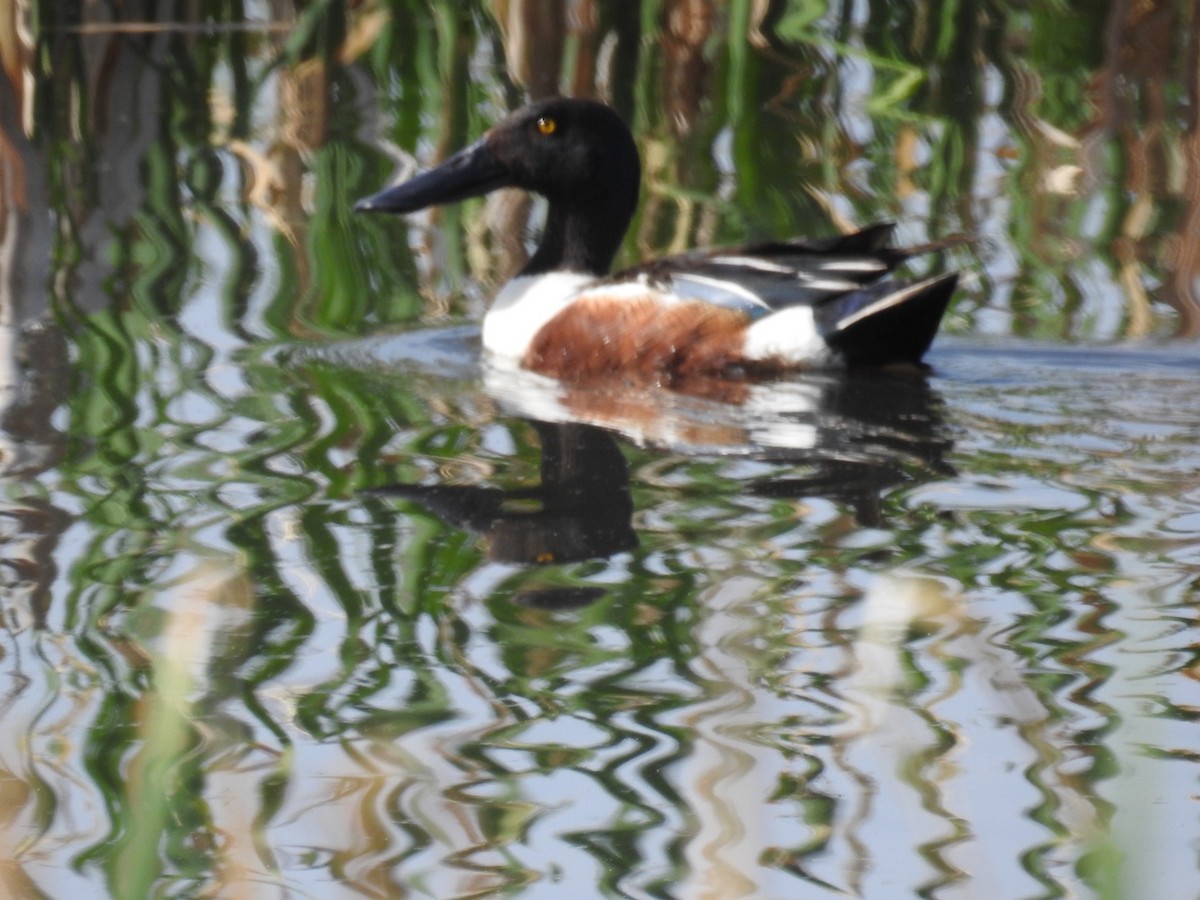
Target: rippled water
[(301, 599)]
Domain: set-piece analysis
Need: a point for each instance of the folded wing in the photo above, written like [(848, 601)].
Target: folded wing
[(869, 317)]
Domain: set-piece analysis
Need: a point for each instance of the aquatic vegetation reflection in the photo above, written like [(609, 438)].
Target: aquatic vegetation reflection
[(850, 634)]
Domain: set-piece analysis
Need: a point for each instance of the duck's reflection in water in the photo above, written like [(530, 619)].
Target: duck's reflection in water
[(873, 431), (581, 510), (847, 438), (885, 414)]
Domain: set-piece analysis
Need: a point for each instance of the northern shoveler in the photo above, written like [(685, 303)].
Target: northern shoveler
[(752, 311)]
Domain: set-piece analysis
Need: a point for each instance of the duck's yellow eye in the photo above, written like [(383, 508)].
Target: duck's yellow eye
[(546, 125)]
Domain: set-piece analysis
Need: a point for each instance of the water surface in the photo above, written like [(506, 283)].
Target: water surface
[(301, 599)]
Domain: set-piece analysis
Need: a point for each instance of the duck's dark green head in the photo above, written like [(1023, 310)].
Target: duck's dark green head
[(578, 154)]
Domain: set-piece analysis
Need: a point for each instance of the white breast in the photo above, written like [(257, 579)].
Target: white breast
[(524, 305)]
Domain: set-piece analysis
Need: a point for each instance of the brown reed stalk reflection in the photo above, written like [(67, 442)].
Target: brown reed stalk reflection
[(1144, 43), (34, 352)]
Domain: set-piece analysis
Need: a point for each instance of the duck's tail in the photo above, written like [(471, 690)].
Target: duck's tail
[(888, 323)]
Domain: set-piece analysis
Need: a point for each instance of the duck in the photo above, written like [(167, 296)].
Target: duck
[(750, 312)]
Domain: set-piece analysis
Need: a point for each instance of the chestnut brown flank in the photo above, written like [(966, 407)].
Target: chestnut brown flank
[(597, 336)]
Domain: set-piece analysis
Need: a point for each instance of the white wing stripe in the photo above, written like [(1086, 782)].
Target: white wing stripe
[(750, 262)]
